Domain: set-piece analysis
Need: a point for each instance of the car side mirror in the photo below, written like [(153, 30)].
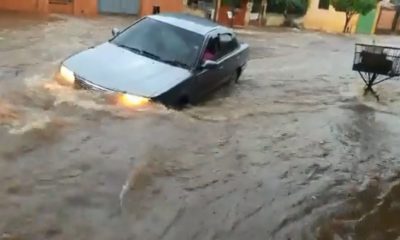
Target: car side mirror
[(209, 64), (115, 32)]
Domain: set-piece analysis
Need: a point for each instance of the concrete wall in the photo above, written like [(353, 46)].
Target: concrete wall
[(326, 20), (195, 12), (40, 6), (366, 22), (146, 6), (377, 11), (274, 19)]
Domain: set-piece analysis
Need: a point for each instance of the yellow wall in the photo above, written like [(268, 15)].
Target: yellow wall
[(378, 10), (327, 20)]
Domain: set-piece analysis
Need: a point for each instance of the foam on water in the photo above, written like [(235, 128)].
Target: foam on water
[(36, 121), (369, 214), (42, 100), (389, 96), (8, 114)]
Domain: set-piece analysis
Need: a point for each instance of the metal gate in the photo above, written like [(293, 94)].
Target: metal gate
[(119, 6)]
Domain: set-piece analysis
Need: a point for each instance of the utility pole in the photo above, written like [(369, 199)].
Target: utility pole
[(216, 6), (232, 14), (262, 13)]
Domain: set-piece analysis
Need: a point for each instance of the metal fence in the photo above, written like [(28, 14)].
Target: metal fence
[(382, 60)]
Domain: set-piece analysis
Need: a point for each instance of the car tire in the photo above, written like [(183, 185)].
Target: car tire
[(182, 102), (237, 75)]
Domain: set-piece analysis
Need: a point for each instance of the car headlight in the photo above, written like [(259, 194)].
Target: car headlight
[(132, 100), (67, 75)]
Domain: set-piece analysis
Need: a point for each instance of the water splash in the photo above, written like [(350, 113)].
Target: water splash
[(366, 216), (96, 101), (8, 113), (35, 122)]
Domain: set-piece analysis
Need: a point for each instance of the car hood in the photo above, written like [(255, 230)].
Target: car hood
[(118, 69)]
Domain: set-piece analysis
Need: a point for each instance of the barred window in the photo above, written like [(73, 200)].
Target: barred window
[(323, 4)]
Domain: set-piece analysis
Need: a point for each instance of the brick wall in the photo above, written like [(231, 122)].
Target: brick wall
[(78, 7), (58, 6), (85, 7), (40, 6), (146, 7), (385, 20), (240, 14)]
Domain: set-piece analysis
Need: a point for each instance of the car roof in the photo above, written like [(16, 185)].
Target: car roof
[(189, 22)]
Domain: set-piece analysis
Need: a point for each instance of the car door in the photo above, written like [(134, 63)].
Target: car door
[(228, 58), (208, 79)]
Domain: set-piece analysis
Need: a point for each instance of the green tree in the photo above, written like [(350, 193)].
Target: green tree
[(352, 7), (298, 7), (291, 9), (231, 3)]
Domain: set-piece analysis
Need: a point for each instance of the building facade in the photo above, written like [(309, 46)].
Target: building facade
[(381, 20), (91, 7), (322, 16), (387, 19), (239, 17)]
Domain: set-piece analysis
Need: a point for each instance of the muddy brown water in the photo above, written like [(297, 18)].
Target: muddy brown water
[(292, 152)]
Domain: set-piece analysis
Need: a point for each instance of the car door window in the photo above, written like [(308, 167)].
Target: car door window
[(212, 49), (220, 46), (228, 44)]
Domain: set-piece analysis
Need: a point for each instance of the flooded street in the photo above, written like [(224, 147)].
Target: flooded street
[(294, 151)]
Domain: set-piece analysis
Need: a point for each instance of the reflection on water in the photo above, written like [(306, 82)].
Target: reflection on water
[(367, 216), (370, 212), (7, 113)]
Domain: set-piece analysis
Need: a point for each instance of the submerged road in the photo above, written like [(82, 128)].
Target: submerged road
[(292, 152)]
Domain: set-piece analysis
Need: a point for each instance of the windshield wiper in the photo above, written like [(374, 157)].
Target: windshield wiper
[(140, 51), (154, 56), (132, 49), (151, 55), (176, 63)]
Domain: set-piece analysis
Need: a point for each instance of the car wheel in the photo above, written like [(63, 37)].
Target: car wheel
[(182, 102), (237, 75)]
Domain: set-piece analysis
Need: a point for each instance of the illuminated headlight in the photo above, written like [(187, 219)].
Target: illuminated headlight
[(132, 100), (67, 75)]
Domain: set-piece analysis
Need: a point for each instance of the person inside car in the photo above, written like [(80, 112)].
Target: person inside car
[(209, 53)]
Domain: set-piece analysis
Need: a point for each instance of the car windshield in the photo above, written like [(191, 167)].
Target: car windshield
[(162, 42)]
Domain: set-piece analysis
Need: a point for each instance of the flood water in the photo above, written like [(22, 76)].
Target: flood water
[(294, 151)]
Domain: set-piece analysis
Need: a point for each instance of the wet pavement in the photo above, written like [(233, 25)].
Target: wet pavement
[(294, 151)]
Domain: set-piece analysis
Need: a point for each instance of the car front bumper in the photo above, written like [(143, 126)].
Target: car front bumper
[(120, 98), (82, 83)]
